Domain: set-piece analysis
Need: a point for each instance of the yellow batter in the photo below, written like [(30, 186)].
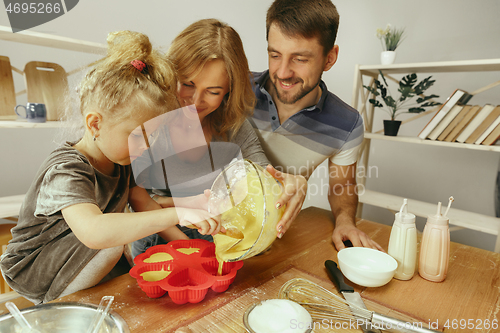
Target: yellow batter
[(189, 250), (158, 257), (155, 275), (221, 264), (248, 214)]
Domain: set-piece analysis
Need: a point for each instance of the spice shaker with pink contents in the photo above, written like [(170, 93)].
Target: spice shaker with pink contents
[(435, 247)]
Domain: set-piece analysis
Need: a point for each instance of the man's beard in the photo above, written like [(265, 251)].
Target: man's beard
[(285, 98)]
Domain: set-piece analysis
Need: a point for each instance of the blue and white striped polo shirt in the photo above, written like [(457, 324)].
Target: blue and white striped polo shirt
[(331, 129)]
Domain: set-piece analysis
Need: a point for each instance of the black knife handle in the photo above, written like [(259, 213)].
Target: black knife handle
[(337, 277)]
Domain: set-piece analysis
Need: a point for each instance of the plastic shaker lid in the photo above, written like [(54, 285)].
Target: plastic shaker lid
[(403, 216)]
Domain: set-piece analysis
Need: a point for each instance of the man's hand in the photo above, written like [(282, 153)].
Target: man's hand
[(294, 194), (343, 199), (347, 231)]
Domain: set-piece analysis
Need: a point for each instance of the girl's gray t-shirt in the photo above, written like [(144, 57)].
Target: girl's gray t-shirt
[(44, 254)]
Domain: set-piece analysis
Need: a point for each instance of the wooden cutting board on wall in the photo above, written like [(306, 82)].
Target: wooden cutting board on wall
[(47, 83), (7, 92)]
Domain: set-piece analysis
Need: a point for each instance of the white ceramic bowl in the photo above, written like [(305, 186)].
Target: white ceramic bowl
[(367, 267), (277, 315)]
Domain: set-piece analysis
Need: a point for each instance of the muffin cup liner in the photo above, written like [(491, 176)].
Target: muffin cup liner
[(192, 274)]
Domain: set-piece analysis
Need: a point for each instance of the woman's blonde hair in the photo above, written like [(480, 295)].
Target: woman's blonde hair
[(210, 39), (114, 79)]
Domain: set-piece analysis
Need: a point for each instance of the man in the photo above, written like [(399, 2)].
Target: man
[(298, 121)]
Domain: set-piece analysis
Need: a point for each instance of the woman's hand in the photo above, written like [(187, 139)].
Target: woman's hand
[(294, 194), (205, 222)]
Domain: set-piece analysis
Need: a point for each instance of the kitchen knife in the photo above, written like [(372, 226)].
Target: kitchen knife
[(377, 320), (349, 294)]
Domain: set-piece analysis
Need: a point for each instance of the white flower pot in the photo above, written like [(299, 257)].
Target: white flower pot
[(387, 57)]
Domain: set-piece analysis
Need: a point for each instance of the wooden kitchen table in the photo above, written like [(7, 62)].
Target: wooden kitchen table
[(467, 301)]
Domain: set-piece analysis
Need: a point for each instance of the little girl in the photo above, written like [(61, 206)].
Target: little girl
[(72, 229)]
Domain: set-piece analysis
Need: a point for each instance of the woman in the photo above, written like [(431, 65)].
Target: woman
[(211, 129)]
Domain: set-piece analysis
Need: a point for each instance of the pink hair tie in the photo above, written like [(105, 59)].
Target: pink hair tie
[(138, 64)]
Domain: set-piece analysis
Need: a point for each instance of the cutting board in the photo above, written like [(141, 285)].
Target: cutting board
[(229, 317), (47, 83), (7, 92), (5, 237)]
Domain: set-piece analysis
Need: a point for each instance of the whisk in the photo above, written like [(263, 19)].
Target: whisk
[(323, 304)]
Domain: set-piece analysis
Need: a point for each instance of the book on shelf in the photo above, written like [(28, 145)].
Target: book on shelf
[(443, 111), (436, 132), (463, 112), (484, 125), (463, 124), (475, 122), (492, 137), (492, 121)]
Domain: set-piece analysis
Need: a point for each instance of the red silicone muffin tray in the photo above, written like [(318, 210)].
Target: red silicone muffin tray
[(191, 274)]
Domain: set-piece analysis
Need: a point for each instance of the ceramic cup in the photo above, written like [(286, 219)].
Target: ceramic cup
[(35, 112)]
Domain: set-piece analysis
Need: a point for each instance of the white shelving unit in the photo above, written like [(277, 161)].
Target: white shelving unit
[(58, 42), (25, 124), (459, 218)]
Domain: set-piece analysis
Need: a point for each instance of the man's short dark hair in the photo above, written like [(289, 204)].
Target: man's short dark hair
[(306, 18)]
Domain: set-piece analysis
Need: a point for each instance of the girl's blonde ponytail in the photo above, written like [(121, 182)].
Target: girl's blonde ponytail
[(114, 79)]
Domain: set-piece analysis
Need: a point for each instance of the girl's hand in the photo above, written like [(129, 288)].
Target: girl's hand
[(294, 194), (205, 222)]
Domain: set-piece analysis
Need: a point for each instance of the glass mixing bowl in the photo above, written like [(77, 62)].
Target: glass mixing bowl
[(60, 317), (245, 194)]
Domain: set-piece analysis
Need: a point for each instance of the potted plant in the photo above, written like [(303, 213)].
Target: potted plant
[(409, 88), (390, 38)]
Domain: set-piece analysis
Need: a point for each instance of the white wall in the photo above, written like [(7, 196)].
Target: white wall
[(435, 31)]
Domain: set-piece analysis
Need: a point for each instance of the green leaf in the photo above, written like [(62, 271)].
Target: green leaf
[(383, 77), (406, 92), (424, 85), (393, 38), (430, 104), (375, 103), (383, 90), (416, 110), (426, 98), (390, 102), (408, 81), (409, 88), (372, 90)]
